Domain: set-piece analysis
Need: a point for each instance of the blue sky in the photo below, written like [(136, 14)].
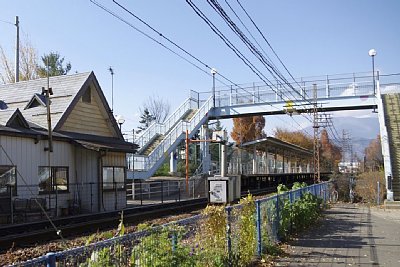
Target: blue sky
[(311, 37)]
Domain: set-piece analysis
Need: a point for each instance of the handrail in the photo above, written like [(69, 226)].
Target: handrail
[(162, 128), (175, 133)]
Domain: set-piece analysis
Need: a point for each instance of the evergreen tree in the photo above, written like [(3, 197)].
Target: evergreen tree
[(55, 63), (145, 120)]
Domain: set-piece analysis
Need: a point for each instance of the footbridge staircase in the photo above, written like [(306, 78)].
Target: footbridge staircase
[(334, 93)]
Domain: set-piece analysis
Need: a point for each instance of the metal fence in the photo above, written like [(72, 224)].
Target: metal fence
[(27, 203), (184, 243), (143, 192)]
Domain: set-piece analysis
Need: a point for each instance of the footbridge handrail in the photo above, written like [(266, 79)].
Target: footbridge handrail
[(161, 128), (177, 133)]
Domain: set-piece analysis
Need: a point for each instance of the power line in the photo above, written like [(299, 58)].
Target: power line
[(170, 41), (175, 45)]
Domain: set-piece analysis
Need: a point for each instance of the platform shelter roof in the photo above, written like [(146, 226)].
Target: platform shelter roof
[(270, 144)]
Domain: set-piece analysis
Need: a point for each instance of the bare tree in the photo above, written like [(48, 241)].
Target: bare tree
[(28, 64), (157, 107)]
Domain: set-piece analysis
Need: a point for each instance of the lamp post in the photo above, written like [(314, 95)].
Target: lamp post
[(213, 72), (120, 121), (372, 53)]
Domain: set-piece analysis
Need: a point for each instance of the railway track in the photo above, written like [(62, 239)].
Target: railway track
[(22, 235)]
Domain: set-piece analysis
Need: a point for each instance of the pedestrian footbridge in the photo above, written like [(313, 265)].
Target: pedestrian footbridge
[(331, 93)]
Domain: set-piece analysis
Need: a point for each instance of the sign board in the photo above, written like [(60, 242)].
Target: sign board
[(218, 191)]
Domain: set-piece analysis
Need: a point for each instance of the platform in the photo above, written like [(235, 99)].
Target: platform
[(349, 235)]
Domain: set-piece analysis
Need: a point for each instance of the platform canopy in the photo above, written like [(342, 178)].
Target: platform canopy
[(270, 144)]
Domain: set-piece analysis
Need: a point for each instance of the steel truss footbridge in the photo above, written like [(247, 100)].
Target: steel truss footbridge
[(329, 93)]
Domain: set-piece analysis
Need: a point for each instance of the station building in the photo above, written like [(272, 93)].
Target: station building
[(82, 169)]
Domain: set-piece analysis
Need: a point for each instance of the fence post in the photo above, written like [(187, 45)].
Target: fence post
[(179, 191), (228, 234), (51, 259), (259, 235), (277, 217), (115, 195), (162, 191), (91, 197), (174, 241), (141, 193), (379, 194)]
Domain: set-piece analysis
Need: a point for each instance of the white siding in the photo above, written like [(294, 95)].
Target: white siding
[(28, 156), (87, 171)]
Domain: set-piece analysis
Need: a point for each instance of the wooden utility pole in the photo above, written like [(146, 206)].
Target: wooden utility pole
[(17, 51)]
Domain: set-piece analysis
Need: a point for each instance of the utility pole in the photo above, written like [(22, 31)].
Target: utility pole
[(17, 51), (316, 137)]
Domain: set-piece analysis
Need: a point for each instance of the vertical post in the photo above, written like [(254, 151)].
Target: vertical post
[(373, 72), (379, 194), (91, 196), (228, 234), (187, 160), (277, 220), (179, 191), (316, 136), (223, 161), (230, 97), (141, 192), (259, 235), (213, 72), (51, 259), (327, 93), (17, 51), (174, 241), (162, 191), (9, 189), (115, 195)]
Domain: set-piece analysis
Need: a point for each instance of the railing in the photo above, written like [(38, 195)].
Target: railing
[(161, 128), (177, 132), (182, 243), (340, 85), (144, 192), (32, 201)]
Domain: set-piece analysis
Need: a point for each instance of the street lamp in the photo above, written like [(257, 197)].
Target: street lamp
[(213, 72), (372, 53), (120, 120)]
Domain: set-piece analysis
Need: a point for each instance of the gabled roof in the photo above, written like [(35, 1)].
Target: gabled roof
[(65, 88), (36, 100), (17, 120), (67, 91)]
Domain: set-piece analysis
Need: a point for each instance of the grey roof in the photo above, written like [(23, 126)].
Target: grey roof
[(263, 143), (18, 95)]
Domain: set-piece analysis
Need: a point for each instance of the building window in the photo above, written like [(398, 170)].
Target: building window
[(113, 178), (87, 95), (53, 179), (8, 179)]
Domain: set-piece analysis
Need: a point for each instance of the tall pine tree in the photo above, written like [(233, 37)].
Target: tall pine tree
[(145, 120)]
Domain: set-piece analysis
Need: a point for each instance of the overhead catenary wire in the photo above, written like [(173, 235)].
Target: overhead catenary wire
[(235, 50), (275, 73), (177, 46), (170, 41)]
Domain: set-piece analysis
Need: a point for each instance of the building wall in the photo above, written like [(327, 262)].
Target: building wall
[(114, 199), (89, 118), (28, 156), (88, 178)]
